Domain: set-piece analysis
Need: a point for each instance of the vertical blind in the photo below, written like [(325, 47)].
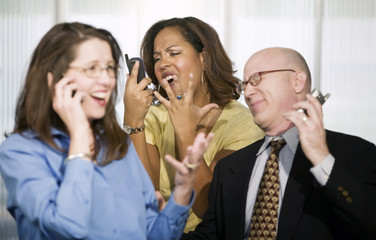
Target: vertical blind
[(22, 24), (349, 66), (335, 36)]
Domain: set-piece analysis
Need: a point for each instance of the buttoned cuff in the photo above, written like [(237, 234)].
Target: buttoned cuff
[(322, 171), (174, 211)]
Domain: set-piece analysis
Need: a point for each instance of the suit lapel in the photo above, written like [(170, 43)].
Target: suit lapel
[(235, 185), (298, 187)]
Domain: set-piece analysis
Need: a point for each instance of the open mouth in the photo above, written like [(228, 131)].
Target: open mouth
[(170, 79), (99, 97)]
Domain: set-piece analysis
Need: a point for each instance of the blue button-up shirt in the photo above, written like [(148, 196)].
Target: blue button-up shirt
[(81, 200)]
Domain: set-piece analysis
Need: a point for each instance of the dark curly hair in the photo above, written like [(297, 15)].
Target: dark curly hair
[(219, 73)]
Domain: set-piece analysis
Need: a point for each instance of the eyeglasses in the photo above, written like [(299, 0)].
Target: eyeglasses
[(256, 78), (96, 70)]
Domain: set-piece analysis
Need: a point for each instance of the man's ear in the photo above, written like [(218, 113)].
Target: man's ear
[(299, 81)]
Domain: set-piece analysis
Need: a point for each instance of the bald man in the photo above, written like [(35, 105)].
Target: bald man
[(326, 180)]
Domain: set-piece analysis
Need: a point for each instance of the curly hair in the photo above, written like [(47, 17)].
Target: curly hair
[(218, 73)]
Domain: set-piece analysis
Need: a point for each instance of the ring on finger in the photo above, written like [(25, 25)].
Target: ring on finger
[(190, 166), (179, 96), (304, 118)]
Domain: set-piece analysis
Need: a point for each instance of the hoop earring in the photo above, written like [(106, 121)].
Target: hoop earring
[(159, 88), (203, 84)]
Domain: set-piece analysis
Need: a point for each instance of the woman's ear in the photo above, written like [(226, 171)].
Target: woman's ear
[(299, 81), (50, 79), (202, 58)]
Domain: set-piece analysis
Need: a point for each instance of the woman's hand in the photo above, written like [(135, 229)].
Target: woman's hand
[(136, 100), (184, 114), (186, 170), (161, 201), (136, 105), (67, 103)]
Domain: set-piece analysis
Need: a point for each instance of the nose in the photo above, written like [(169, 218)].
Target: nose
[(249, 90), (105, 78), (164, 62)]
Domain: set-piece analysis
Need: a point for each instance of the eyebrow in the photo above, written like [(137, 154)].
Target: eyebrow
[(96, 62), (168, 49)]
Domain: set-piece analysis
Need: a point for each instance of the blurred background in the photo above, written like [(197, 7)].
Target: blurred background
[(337, 38)]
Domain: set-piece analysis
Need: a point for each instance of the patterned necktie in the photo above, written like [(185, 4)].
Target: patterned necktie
[(265, 211)]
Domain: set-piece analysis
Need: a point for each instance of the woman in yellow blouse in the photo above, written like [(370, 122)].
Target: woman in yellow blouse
[(185, 59)]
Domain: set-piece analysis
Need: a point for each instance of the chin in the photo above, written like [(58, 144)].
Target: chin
[(260, 119), (257, 120), (95, 116)]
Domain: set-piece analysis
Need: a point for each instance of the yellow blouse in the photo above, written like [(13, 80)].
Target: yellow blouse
[(233, 130)]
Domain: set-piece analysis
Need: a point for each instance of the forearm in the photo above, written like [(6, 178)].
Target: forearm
[(207, 229), (82, 141), (70, 215), (139, 141), (169, 224), (60, 209), (202, 180)]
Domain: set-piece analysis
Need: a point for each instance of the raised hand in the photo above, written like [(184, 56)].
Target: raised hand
[(311, 128), (67, 102), (136, 100), (184, 114), (186, 170)]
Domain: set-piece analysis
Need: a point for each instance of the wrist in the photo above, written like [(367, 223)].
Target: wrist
[(319, 157), (182, 195), (130, 130), (82, 155), (185, 138), (80, 134)]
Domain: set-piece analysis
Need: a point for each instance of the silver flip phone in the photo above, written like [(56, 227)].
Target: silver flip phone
[(317, 94)]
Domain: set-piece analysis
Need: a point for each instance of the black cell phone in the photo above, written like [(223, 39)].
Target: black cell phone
[(141, 70)]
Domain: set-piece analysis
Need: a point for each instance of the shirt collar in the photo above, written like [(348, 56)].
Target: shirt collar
[(291, 137), (54, 132)]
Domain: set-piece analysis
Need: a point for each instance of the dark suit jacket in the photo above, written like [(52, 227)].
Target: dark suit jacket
[(345, 208)]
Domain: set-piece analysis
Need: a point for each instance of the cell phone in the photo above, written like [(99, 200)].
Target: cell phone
[(317, 94), (141, 70)]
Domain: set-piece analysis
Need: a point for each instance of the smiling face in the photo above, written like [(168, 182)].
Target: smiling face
[(93, 53), (275, 94), (175, 59)]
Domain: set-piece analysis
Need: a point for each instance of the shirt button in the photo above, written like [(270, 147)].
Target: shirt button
[(340, 188)]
